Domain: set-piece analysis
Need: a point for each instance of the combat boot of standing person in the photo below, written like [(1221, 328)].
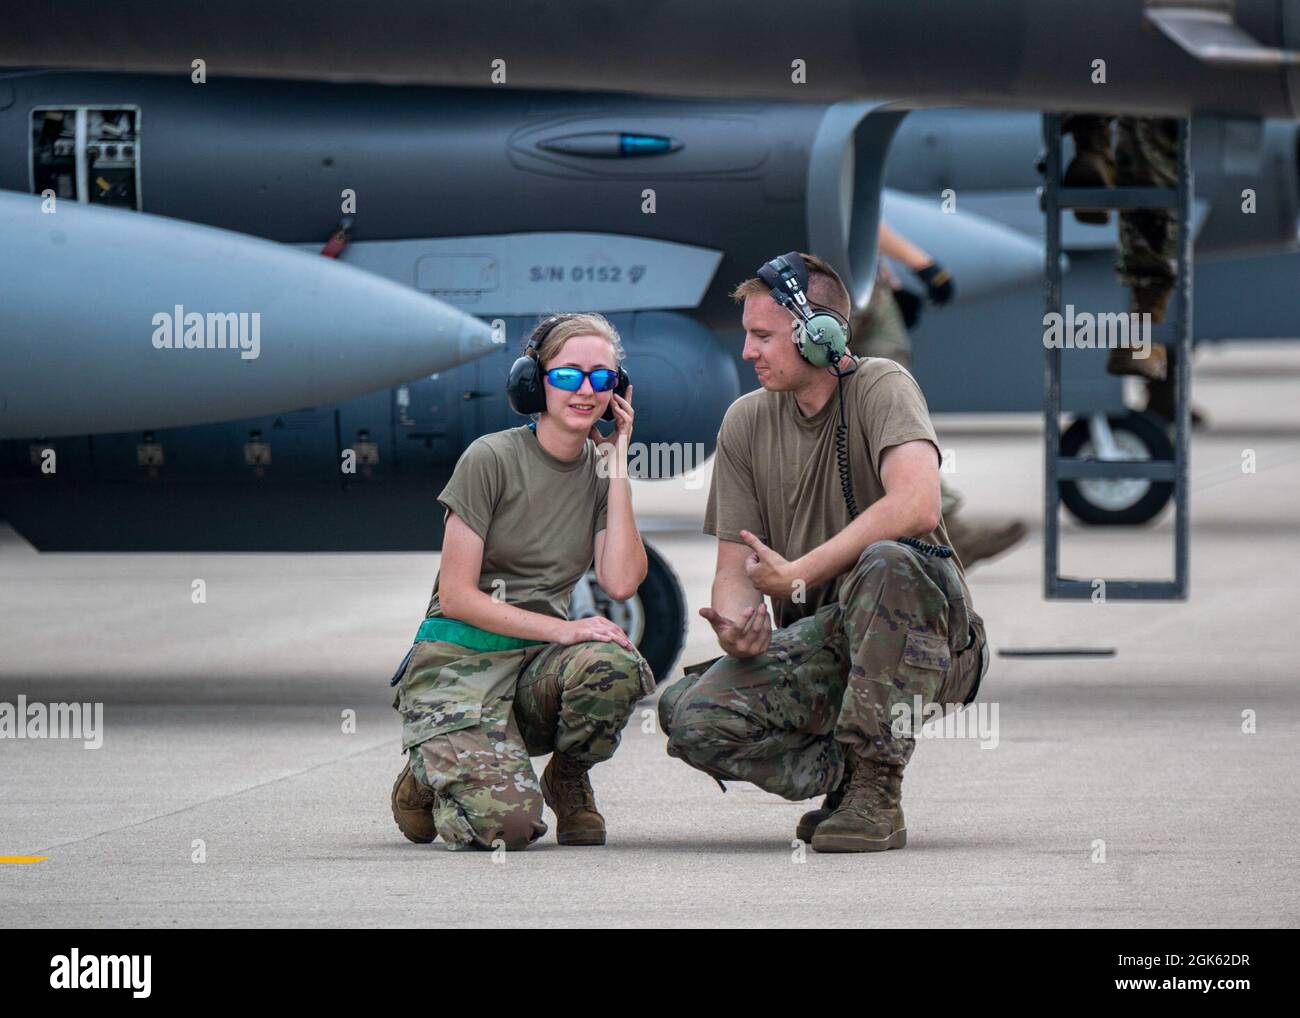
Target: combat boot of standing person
[(498, 672), (881, 329), (1093, 164), (871, 609), (979, 542)]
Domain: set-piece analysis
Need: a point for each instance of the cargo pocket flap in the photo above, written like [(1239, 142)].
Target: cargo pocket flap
[(927, 650), (430, 717), (444, 689), (701, 667)]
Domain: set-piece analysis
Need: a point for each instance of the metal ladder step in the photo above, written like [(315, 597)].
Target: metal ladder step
[(1175, 333), (1118, 590), (1118, 198), (1070, 469)]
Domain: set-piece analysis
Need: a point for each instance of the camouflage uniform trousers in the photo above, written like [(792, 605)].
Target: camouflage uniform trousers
[(831, 681), (471, 721), (878, 330), (1146, 155)]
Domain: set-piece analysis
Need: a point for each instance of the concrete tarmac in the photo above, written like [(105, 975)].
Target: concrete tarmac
[(1126, 791)]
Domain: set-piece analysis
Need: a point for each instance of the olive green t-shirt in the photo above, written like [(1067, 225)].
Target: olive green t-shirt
[(538, 517), (775, 473)]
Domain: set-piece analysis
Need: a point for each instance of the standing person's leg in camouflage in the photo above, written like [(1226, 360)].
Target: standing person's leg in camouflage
[(1146, 155), (573, 702), (816, 713), (1149, 244), (471, 722), (878, 330)]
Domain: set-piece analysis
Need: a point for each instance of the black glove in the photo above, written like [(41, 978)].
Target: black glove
[(938, 281), (910, 305)]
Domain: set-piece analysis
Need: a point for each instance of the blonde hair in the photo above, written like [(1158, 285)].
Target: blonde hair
[(586, 323), (825, 287)]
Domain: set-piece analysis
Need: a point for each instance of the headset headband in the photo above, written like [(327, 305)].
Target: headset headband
[(787, 275), (542, 330), (821, 336)]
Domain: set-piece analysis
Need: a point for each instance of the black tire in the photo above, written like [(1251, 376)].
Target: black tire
[(1147, 500), (664, 604), (662, 610)]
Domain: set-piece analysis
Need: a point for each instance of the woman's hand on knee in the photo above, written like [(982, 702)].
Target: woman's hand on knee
[(596, 628)]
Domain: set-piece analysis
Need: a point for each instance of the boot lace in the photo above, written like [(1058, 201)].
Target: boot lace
[(573, 785), (871, 787)]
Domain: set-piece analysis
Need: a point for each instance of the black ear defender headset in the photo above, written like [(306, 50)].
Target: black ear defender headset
[(822, 336), (526, 387)]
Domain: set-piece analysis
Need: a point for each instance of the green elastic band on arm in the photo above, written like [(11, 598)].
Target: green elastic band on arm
[(462, 633)]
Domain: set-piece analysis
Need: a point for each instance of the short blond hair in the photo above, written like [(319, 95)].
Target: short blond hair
[(825, 287), (584, 323)]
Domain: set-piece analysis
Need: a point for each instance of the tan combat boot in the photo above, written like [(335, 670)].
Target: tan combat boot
[(1160, 398), (870, 814), (567, 790), (974, 542), (809, 821), (1093, 164), (413, 808), (1146, 300), (1160, 401)]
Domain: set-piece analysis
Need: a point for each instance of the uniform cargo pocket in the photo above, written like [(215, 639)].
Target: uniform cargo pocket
[(926, 663), (445, 687), (427, 716), (927, 650)]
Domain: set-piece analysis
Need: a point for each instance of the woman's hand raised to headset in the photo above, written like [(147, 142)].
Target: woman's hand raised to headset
[(618, 441)]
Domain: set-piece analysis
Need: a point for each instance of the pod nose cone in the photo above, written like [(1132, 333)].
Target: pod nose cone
[(474, 337), (118, 321)]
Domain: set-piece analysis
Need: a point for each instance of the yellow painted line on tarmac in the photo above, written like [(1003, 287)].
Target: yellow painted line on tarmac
[(21, 859)]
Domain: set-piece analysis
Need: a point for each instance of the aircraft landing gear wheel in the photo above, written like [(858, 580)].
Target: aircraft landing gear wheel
[(1123, 501), (655, 617)]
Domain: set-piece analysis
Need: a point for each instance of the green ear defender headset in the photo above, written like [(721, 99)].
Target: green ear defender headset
[(821, 335)]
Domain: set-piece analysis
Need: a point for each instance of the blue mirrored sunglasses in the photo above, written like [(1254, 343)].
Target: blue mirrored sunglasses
[(570, 379)]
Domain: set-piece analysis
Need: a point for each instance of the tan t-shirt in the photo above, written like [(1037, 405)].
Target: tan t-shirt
[(776, 474), (538, 517)]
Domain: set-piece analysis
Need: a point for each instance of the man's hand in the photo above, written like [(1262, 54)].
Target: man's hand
[(747, 638), (768, 571)]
